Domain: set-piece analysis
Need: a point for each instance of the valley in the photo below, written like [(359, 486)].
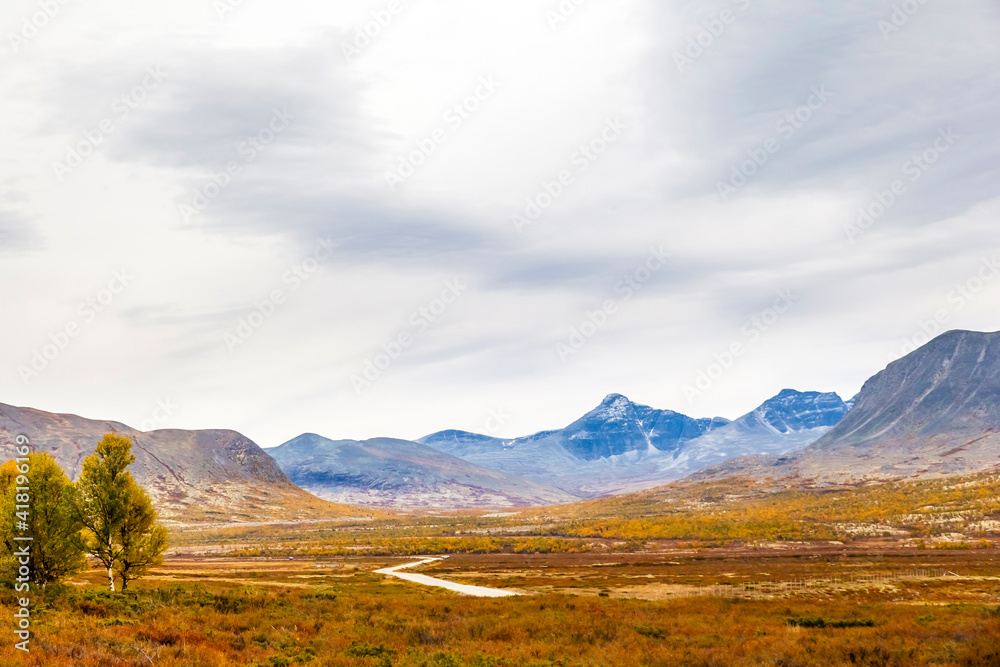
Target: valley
[(277, 595), (863, 532)]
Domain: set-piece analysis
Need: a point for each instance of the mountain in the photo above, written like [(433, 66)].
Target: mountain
[(190, 475), (785, 423), (540, 457), (624, 446), (934, 412), (400, 473), (616, 426), (788, 422)]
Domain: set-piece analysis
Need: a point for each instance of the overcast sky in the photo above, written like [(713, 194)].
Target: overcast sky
[(523, 205)]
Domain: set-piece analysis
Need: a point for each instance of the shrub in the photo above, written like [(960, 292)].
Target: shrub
[(358, 649), (819, 622), (649, 631)]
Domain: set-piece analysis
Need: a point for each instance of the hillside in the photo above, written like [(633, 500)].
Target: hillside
[(935, 412), (192, 476), (399, 473)]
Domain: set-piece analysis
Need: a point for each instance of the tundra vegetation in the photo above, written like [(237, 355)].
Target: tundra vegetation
[(699, 573)]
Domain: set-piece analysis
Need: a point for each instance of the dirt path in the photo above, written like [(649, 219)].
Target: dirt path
[(478, 591)]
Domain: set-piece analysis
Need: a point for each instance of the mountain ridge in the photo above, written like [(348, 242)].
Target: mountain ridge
[(935, 411), (403, 474), (654, 447), (216, 474)]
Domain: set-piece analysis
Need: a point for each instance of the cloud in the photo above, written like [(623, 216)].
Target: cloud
[(17, 233), (888, 98), (344, 124)]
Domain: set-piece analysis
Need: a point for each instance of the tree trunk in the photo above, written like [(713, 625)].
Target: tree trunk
[(111, 579)]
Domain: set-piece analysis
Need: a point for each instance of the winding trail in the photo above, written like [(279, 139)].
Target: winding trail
[(478, 591)]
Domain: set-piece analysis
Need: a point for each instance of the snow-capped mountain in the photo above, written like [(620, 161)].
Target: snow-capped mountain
[(618, 426), (786, 423), (621, 445)]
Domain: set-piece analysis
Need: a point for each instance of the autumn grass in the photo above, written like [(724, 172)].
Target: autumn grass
[(617, 581), (349, 616), (745, 510), (699, 514)]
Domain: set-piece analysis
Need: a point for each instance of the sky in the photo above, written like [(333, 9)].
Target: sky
[(389, 218)]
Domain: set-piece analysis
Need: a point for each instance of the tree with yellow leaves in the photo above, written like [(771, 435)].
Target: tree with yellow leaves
[(120, 527)]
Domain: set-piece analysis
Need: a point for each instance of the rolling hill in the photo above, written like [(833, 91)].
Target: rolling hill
[(402, 474), (192, 476)]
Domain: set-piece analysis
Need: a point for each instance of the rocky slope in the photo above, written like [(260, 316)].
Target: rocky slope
[(618, 426), (934, 412), (192, 476)]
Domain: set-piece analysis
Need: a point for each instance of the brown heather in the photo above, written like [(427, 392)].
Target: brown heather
[(845, 576)]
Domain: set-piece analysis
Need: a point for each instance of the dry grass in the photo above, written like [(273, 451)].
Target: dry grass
[(270, 612), (612, 582)]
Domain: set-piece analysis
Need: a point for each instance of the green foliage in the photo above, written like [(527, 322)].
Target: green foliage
[(98, 499), (358, 649), (442, 659), (103, 604), (118, 517), (483, 660), (142, 540), (45, 515), (324, 595)]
